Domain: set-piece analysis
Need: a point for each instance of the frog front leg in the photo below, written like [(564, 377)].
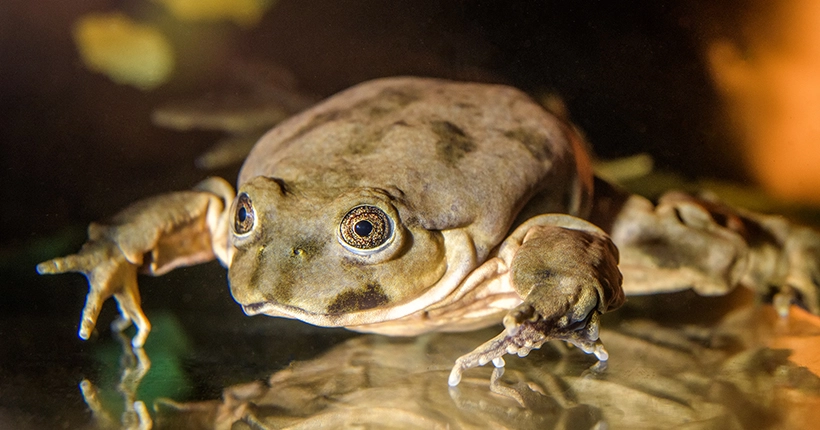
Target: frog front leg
[(154, 236), (566, 272)]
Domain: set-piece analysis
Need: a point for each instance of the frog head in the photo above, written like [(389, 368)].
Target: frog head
[(330, 257)]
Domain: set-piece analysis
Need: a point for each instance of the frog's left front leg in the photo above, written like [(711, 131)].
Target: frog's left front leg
[(154, 236), (566, 271)]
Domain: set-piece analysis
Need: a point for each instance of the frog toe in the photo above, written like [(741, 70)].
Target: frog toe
[(55, 266), (526, 330), (131, 311), (490, 351)]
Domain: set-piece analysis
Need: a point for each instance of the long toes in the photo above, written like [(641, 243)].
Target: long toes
[(91, 310), (455, 374), (47, 267), (70, 263), (130, 309), (600, 352)]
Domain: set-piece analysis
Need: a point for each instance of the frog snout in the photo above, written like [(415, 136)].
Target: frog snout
[(243, 291), (277, 273)]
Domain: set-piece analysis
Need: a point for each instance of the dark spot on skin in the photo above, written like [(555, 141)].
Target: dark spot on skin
[(358, 147), (369, 297), (257, 266), (453, 143), (667, 255), (365, 144), (542, 275), (369, 141), (283, 187), (317, 121), (281, 292), (387, 101), (537, 144), (353, 262), (323, 118)]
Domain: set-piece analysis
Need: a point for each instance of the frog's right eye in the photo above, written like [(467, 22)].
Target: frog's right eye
[(244, 215)]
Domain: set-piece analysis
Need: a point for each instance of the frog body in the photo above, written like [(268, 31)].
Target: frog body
[(450, 172), (409, 205)]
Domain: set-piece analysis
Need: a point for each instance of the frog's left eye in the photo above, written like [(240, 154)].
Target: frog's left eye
[(365, 228), (244, 215)]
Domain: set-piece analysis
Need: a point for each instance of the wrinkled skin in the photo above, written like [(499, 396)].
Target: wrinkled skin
[(407, 205)]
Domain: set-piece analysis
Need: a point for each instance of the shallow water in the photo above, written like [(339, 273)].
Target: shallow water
[(208, 366)]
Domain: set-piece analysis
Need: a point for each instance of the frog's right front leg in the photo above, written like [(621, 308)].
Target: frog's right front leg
[(566, 272), (154, 236)]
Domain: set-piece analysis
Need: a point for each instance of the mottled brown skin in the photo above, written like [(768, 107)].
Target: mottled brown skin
[(480, 199), (412, 147)]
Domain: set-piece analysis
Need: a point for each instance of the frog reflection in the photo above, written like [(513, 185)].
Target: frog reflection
[(717, 377)]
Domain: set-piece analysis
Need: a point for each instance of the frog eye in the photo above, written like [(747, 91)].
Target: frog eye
[(365, 228), (244, 215)]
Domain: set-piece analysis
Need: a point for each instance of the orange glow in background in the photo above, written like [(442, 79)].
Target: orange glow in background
[(771, 93)]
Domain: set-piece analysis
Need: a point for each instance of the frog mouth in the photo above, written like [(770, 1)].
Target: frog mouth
[(280, 310), (272, 309), (253, 309)]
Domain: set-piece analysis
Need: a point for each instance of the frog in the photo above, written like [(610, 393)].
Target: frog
[(408, 205)]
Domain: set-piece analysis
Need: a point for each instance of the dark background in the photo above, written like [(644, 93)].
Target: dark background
[(77, 147)]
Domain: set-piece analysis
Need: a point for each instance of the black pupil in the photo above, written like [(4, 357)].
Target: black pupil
[(242, 214), (363, 228)]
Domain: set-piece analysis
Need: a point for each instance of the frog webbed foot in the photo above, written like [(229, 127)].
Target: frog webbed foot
[(704, 244), (526, 330), (152, 236), (531, 330), (109, 274), (568, 276)]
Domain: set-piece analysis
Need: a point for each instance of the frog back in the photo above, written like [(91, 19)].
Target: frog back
[(458, 155)]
